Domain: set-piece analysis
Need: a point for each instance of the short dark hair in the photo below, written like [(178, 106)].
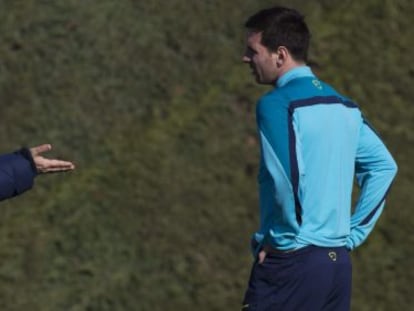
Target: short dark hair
[(282, 26)]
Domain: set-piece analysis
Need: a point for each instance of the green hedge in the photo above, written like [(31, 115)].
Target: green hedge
[(151, 101)]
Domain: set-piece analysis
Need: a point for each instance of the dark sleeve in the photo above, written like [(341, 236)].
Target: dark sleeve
[(17, 172)]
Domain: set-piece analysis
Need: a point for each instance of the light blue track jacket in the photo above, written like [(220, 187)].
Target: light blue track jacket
[(313, 142)]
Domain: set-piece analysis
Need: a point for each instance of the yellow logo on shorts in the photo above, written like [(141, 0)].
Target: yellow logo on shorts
[(332, 255)]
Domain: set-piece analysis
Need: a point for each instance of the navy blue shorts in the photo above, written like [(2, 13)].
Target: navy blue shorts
[(309, 279)]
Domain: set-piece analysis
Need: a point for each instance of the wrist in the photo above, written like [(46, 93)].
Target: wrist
[(25, 152)]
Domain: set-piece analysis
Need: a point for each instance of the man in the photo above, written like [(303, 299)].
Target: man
[(313, 141), (18, 169)]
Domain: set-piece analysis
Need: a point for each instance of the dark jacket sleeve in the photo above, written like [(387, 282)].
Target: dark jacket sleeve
[(17, 173)]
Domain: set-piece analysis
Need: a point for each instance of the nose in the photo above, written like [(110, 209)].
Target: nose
[(246, 59)]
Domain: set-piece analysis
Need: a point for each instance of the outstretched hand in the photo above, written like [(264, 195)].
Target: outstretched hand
[(45, 165)]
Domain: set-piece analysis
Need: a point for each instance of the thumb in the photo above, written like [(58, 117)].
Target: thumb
[(40, 149), (262, 256)]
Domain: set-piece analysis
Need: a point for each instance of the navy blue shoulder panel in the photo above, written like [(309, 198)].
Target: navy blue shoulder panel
[(317, 100)]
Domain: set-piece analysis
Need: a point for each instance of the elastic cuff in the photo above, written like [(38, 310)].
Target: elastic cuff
[(25, 152)]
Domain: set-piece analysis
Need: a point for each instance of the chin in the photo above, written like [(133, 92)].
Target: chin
[(264, 82), (259, 80)]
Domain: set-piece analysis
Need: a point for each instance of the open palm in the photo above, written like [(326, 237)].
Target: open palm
[(46, 165)]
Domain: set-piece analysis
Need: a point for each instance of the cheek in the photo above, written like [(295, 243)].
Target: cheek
[(270, 63), (259, 61), (264, 61)]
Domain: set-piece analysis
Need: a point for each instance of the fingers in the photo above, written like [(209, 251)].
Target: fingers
[(45, 165), (40, 149), (53, 164), (56, 170)]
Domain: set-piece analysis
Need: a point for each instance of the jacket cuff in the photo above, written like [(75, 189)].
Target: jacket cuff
[(25, 152)]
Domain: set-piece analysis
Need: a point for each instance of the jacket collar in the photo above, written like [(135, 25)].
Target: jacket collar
[(297, 72)]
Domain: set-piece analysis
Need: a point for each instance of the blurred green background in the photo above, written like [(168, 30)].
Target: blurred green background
[(151, 101)]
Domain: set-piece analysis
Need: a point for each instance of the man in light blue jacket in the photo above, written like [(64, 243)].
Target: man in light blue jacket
[(313, 142)]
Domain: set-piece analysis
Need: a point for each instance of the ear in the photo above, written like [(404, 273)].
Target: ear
[(281, 56)]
